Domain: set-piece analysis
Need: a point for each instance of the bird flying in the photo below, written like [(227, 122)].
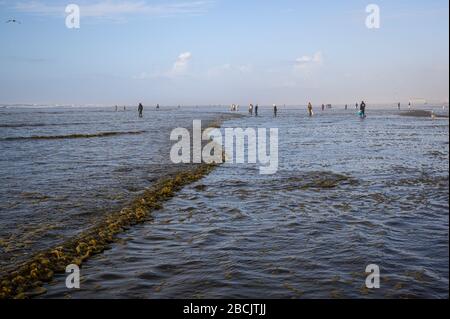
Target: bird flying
[(13, 21)]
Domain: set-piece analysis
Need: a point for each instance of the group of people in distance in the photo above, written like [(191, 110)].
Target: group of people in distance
[(254, 109), (124, 108)]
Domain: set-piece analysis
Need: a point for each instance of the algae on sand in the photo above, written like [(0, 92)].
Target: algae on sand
[(30, 276)]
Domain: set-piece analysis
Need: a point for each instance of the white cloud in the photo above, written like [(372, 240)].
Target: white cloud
[(306, 62), (179, 68), (181, 64), (118, 8)]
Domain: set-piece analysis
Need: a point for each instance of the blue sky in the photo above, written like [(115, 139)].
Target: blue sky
[(223, 51)]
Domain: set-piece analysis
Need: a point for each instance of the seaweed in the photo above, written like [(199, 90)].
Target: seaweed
[(27, 280), (71, 136)]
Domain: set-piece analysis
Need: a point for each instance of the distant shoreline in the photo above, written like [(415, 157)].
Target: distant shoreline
[(421, 113)]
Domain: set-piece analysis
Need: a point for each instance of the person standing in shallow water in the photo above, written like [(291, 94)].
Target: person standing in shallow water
[(275, 110), (256, 110), (362, 109), (310, 109), (141, 110)]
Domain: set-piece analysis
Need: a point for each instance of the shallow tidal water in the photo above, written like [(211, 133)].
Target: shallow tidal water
[(348, 193), (64, 169)]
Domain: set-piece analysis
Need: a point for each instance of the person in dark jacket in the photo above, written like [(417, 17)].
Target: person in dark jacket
[(141, 110), (362, 109)]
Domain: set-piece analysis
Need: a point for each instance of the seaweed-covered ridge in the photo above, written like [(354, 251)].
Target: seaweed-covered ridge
[(71, 136), (27, 280)]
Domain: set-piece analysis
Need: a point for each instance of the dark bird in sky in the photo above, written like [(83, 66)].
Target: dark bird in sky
[(13, 21)]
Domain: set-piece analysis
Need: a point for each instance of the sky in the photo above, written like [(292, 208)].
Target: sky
[(202, 52)]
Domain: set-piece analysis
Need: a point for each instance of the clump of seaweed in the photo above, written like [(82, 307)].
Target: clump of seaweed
[(318, 180), (329, 181), (27, 280)]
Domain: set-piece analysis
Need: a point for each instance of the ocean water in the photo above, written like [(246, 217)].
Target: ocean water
[(348, 193), (63, 169)]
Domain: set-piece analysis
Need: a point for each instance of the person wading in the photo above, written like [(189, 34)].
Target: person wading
[(141, 110), (310, 109), (362, 109)]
